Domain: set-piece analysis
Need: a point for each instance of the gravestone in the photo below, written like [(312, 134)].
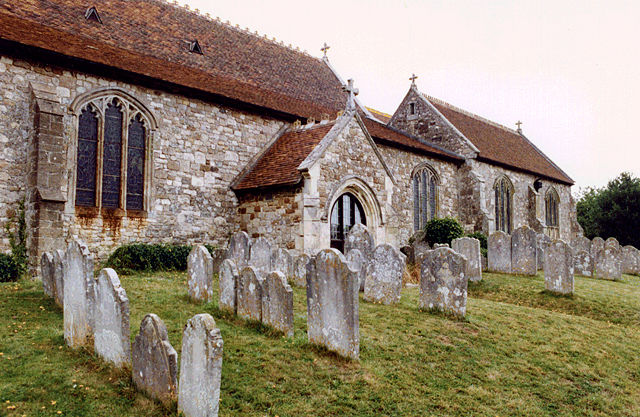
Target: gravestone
[(155, 361), (277, 303), (558, 267), (46, 271), (419, 245), (384, 275), (58, 276), (469, 247), (299, 277), (597, 245), (111, 332), (582, 263), (332, 304), (408, 252), (79, 298), (524, 251), (249, 294), (440, 245), (580, 243), (358, 263), (443, 285), (281, 260), (200, 268), (359, 238), (200, 368), (630, 258), (542, 241), (218, 255), (260, 256), (608, 263), (228, 281), (238, 250), (499, 252)]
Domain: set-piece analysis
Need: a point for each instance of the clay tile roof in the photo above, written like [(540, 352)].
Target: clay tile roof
[(151, 38), (500, 144), (279, 164), (382, 116)]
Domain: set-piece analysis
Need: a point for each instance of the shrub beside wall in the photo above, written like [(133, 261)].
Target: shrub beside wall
[(443, 230), (8, 268), (150, 257)]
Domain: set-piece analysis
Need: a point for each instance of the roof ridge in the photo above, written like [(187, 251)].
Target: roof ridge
[(470, 114), (236, 27)]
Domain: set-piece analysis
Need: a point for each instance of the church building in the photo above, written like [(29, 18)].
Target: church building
[(143, 121)]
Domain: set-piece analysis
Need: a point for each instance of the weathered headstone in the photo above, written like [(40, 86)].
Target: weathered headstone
[(359, 238), (281, 260), (358, 263), (443, 285), (418, 245), (249, 294), (469, 247), (260, 256), (238, 250), (408, 252), (277, 303), (597, 245), (558, 267), (542, 242), (384, 275), (332, 304), (155, 361), (79, 298), (580, 243), (200, 368), (440, 245), (499, 252), (111, 332), (524, 251), (582, 263), (228, 282), (608, 264), (46, 271), (200, 268), (218, 255), (58, 276), (299, 277), (630, 258)]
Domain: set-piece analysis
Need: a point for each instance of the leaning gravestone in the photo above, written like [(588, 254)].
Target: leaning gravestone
[(299, 277), (228, 281), (499, 252), (358, 263), (78, 295), (582, 263), (238, 250), (558, 268), (608, 263), (469, 247), (281, 260), (597, 245), (155, 361), (332, 304), (260, 256), (249, 294), (58, 276), (277, 303), (542, 242), (524, 251), (384, 275), (111, 332), (200, 368), (200, 268), (359, 238), (46, 271), (630, 257), (443, 285)]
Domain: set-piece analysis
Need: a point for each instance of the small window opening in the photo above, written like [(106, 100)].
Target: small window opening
[(92, 14), (194, 47), (412, 108)]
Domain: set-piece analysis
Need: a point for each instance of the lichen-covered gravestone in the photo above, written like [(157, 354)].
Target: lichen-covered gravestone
[(384, 275), (608, 264), (499, 252), (281, 260), (469, 247), (558, 267), (155, 361), (249, 294), (440, 245), (277, 303), (597, 245), (260, 256), (630, 258), (228, 282), (299, 277), (218, 255), (46, 271), (359, 238), (542, 242), (443, 285), (332, 304), (524, 251), (358, 263), (200, 368), (111, 332), (79, 287), (200, 268), (582, 263), (581, 243), (58, 276), (238, 250)]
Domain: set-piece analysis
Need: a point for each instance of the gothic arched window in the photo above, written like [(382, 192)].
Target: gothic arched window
[(425, 196), (551, 207), (111, 154), (346, 212), (503, 190)]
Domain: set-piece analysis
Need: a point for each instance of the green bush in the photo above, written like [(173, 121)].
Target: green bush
[(146, 257), (443, 230), (16, 229), (8, 268)]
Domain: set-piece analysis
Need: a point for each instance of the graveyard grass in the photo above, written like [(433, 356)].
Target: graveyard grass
[(520, 352)]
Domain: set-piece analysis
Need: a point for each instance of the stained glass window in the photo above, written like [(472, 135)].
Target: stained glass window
[(87, 158), (552, 201), (425, 197), (135, 164), (503, 197), (112, 156)]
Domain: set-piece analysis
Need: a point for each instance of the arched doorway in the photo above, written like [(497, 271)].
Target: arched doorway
[(345, 213)]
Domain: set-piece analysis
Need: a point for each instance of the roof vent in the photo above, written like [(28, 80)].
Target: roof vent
[(194, 47), (92, 14)]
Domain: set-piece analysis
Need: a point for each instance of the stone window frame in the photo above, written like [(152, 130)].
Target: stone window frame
[(416, 176), (502, 184), (132, 107), (552, 208), (412, 105)]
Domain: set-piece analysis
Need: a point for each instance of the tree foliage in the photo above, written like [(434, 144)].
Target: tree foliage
[(443, 230), (612, 211)]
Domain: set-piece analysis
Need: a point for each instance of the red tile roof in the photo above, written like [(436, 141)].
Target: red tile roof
[(151, 38), (382, 116), (279, 164), (499, 144)]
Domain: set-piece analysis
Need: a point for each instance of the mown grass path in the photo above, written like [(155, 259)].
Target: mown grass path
[(521, 352)]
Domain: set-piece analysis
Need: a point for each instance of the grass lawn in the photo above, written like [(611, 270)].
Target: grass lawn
[(521, 352)]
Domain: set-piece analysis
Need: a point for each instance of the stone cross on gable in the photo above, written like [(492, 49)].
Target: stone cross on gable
[(519, 124), (413, 79), (324, 49), (353, 92)]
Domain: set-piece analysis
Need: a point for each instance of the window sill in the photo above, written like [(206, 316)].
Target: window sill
[(83, 211)]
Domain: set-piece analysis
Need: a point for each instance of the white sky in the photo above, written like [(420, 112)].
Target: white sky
[(568, 69)]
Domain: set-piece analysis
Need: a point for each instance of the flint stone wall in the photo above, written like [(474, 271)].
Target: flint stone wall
[(443, 285), (470, 248), (111, 333), (277, 303), (383, 283), (499, 252), (200, 269), (79, 297), (558, 267), (524, 251)]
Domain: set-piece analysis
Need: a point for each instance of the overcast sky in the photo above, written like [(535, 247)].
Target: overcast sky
[(567, 69)]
